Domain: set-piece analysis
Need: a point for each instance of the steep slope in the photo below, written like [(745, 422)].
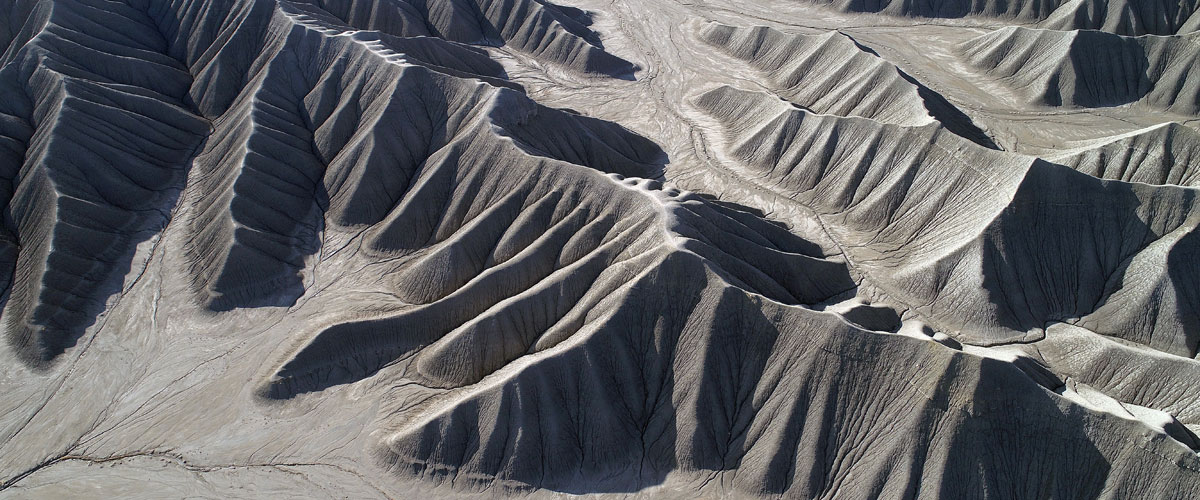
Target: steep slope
[(986, 245), (538, 28), (1127, 17), (833, 74), (276, 133), (1090, 68), (259, 248), (1025, 10), (827, 73), (98, 132), (537, 263), (754, 399), (297, 142), (1121, 17), (1164, 154)]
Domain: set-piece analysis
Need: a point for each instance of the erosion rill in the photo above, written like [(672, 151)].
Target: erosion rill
[(491, 248)]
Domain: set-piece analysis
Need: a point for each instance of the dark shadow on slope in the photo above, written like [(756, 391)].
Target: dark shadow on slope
[(939, 108), (454, 59), (949, 115), (938, 9), (276, 203), (953, 9), (330, 359), (1051, 252), (9, 250), (874, 317), (51, 330), (598, 417), (583, 17), (266, 273), (760, 257), (739, 207), (741, 342), (122, 140), (1183, 267), (546, 30), (1016, 442), (15, 134), (578, 139), (759, 221), (1110, 70), (15, 27)]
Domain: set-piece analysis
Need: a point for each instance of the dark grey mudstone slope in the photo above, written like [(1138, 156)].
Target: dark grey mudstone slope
[(352, 248)]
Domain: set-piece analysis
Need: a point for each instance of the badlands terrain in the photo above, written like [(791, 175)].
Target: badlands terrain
[(627, 248)]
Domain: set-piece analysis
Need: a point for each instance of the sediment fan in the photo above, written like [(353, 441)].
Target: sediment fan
[(395, 248)]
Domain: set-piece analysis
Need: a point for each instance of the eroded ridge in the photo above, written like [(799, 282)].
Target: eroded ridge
[(540, 29), (914, 201), (98, 131), (545, 258), (1162, 154), (1090, 68), (360, 250), (303, 142), (828, 74), (1122, 17), (266, 136)]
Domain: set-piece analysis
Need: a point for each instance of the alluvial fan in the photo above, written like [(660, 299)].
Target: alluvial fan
[(489, 248)]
